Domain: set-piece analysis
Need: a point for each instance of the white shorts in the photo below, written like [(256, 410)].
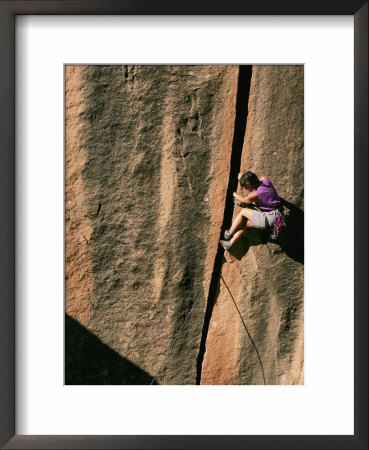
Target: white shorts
[(264, 219)]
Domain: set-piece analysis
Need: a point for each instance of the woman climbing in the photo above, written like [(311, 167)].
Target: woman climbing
[(264, 197)]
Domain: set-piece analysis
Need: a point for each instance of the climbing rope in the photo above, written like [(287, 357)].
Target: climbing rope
[(247, 331), (180, 330), (188, 315)]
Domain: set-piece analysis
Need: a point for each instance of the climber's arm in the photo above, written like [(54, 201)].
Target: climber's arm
[(248, 200)]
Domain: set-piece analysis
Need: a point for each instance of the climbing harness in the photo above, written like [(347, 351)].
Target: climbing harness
[(278, 225)]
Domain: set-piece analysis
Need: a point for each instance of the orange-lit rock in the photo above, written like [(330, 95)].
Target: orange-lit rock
[(265, 279), (148, 158)]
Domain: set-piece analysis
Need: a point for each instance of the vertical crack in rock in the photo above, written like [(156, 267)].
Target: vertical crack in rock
[(243, 91)]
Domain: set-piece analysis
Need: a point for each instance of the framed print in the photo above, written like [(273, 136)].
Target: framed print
[(170, 291)]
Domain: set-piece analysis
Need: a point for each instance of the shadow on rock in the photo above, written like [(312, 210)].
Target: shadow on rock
[(291, 239), (240, 248), (89, 361)]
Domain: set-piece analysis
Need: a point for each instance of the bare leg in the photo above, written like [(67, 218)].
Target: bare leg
[(241, 232), (238, 228), (239, 221), (237, 235)]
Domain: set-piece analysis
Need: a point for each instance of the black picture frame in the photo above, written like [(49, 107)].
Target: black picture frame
[(8, 12)]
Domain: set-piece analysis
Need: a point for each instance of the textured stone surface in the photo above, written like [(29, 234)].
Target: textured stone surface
[(265, 279), (148, 155)]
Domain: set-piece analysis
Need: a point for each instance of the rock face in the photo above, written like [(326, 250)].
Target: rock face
[(151, 158), (262, 281)]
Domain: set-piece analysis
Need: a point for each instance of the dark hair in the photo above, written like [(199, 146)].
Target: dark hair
[(249, 179)]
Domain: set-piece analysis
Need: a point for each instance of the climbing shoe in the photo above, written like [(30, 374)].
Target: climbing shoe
[(227, 235), (226, 245)]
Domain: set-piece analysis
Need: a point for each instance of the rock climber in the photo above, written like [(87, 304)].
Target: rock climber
[(259, 208)]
